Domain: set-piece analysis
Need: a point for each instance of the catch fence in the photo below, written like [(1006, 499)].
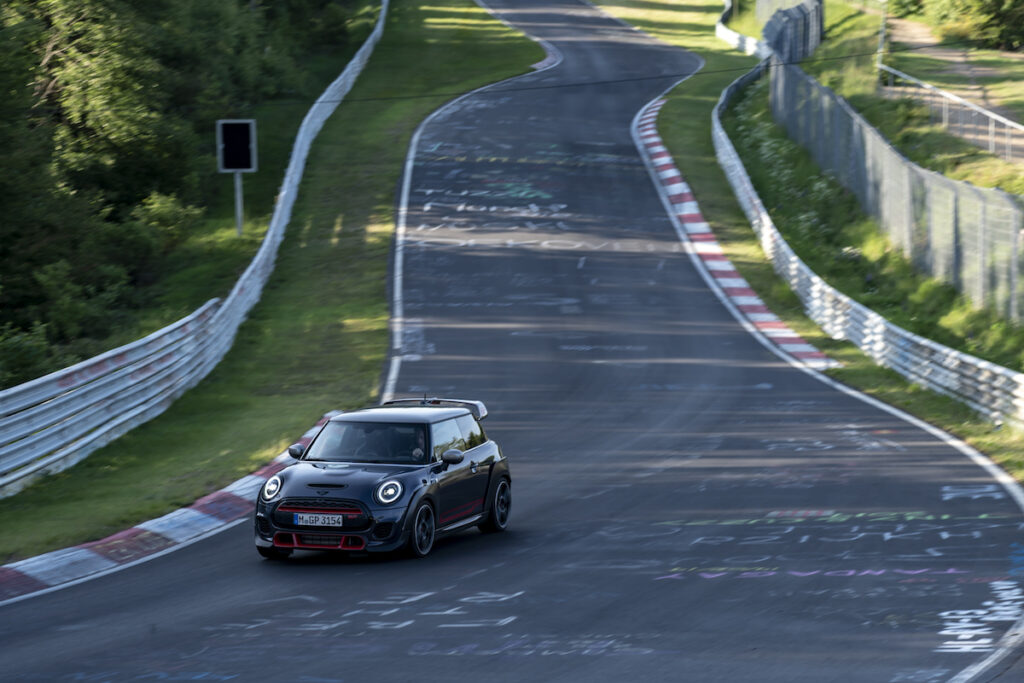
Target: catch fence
[(994, 391), (954, 231)]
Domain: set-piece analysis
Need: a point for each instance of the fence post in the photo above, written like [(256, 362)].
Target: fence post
[(1014, 266), (982, 254)]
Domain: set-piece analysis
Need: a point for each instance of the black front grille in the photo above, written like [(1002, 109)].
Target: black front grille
[(323, 504), (356, 516), (327, 541)]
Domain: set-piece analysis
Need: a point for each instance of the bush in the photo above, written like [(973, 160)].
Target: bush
[(904, 8), (27, 354), (76, 309), (993, 23)]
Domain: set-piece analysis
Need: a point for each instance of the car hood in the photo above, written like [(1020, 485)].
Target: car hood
[(338, 475)]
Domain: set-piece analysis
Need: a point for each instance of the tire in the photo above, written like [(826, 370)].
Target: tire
[(273, 553), (424, 530), (501, 508)]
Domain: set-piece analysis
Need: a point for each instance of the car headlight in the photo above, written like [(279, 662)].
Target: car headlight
[(271, 488), (388, 492)]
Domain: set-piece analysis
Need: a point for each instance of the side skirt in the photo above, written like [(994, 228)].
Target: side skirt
[(469, 521)]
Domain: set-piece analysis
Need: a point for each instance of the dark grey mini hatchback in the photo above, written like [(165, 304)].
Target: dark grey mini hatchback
[(391, 477)]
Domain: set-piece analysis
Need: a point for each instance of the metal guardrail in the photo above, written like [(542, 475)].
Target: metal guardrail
[(952, 111), (743, 43), (939, 101), (992, 390), (51, 423)]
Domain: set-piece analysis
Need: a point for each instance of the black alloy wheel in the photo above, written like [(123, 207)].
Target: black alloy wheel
[(423, 530), (501, 507)]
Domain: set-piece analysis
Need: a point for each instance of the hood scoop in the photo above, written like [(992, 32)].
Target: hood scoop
[(327, 486)]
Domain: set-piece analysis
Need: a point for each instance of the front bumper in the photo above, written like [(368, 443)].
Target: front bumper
[(376, 530)]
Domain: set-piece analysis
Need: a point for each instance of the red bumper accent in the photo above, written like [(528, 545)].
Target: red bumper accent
[(285, 539)]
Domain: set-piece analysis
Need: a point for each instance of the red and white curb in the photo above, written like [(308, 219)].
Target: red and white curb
[(711, 257), (205, 517)]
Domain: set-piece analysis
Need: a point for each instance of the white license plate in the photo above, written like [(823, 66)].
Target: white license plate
[(313, 519)]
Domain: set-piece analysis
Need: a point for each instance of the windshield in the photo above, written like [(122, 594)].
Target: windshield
[(374, 442)]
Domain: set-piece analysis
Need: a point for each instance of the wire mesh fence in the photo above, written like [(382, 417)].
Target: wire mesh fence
[(793, 30), (995, 392), (766, 9), (962, 234)]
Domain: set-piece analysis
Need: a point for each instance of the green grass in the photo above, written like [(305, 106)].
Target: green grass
[(684, 124), (318, 339), (1002, 73), (744, 18), (845, 62)]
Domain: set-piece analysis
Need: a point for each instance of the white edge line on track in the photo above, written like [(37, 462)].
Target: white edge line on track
[(554, 58), (1014, 637)]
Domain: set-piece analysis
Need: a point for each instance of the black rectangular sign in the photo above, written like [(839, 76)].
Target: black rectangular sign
[(236, 145)]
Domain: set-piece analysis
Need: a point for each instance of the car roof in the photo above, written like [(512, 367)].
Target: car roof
[(417, 414)]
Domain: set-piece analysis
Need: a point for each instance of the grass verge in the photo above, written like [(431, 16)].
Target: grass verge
[(1001, 73), (904, 122), (319, 338), (684, 124), (845, 62)]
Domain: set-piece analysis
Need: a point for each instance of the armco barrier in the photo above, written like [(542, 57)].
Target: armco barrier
[(53, 422), (745, 44), (990, 389)]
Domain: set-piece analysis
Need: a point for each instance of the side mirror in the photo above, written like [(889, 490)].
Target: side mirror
[(296, 450), (452, 457)]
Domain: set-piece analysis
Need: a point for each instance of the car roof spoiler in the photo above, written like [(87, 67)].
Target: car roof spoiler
[(478, 408)]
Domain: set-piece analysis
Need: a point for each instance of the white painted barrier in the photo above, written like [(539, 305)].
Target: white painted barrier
[(745, 44), (994, 391), (53, 422)]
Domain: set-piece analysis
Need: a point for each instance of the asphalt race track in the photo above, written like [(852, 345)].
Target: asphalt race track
[(686, 506)]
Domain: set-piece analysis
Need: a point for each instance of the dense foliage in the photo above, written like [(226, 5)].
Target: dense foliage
[(995, 23), (107, 109)]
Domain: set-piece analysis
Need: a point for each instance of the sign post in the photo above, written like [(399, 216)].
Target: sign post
[(236, 153)]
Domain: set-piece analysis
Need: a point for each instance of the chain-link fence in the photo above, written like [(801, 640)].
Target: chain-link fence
[(765, 9), (959, 233), (792, 29), (991, 390)]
